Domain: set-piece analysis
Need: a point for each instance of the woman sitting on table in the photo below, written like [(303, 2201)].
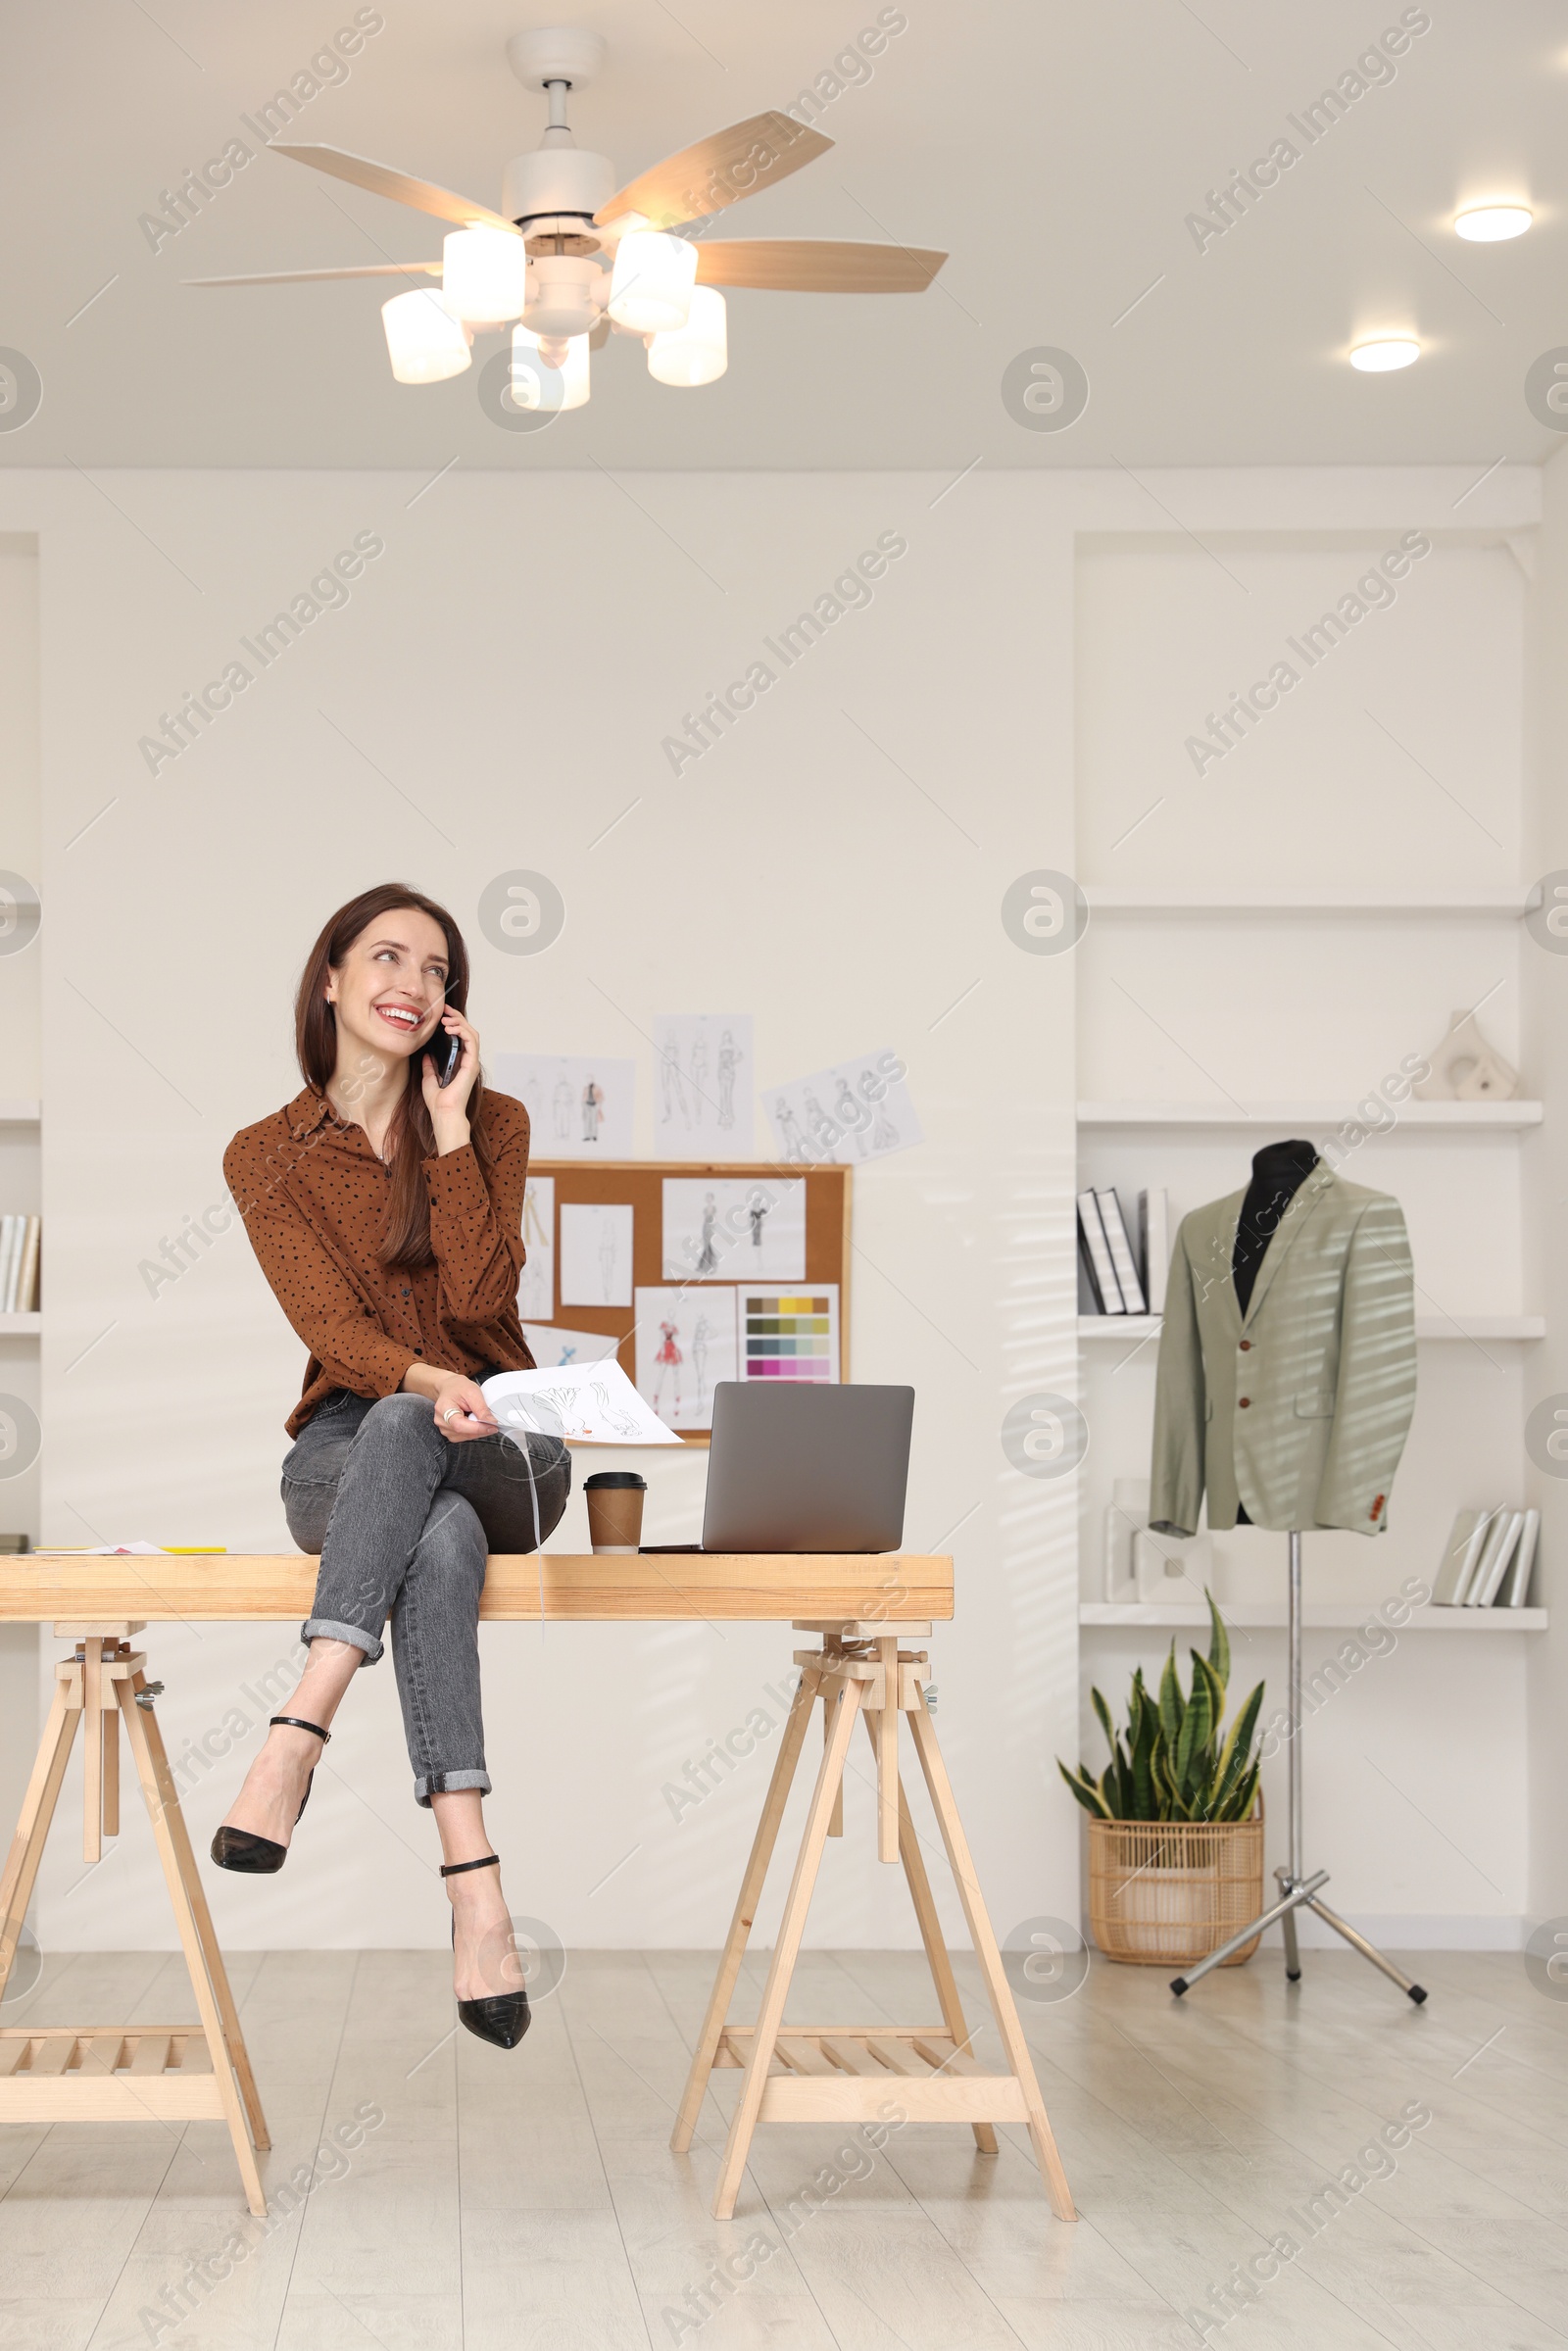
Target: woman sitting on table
[(386, 1210)]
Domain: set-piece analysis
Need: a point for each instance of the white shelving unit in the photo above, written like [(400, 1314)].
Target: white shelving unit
[(18, 1326), (1500, 903), (1328, 1616), (15, 1113)]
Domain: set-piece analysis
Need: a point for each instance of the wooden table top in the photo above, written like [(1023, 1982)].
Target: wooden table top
[(569, 1587)]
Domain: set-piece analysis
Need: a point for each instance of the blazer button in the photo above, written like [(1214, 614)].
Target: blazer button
[(1247, 1345), (1242, 1402)]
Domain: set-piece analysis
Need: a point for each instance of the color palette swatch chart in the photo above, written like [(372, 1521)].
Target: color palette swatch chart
[(791, 1333)]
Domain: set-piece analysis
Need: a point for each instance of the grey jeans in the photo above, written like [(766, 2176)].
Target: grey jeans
[(403, 1522)]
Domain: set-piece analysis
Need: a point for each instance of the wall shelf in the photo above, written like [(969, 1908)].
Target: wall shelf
[(16, 1326), (1427, 1326), (1505, 901), (14, 1113), (1458, 1115), (1327, 1616)]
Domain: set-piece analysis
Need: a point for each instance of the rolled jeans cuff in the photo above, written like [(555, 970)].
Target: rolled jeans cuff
[(443, 1784), (324, 1628)]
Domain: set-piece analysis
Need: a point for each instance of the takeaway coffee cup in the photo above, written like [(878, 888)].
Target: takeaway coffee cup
[(614, 1509)]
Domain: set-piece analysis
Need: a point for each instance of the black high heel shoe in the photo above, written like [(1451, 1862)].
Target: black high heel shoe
[(501, 2017), (260, 1856)]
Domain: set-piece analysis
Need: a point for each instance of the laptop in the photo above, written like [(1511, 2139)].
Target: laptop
[(796, 1468)]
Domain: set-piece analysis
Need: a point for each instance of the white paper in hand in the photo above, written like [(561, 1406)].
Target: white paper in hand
[(586, 1403)]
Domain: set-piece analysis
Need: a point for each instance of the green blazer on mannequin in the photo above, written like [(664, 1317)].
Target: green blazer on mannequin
[(1300, 1410)]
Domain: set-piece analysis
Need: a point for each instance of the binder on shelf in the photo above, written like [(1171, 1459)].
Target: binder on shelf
[(27, 1301), (1493, 1560), (1154, 1235), (1463, 1549), (1097, 1257), (1516, 1591), (10, 1255), (1121, 1252)]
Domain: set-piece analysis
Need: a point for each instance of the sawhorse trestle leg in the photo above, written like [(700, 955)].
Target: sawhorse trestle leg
[(842, 2073), (123, 2073)]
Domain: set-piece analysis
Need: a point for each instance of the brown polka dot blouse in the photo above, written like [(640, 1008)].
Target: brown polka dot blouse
[(312, 1193)]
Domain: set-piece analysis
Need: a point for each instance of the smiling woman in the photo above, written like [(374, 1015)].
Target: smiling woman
[(387, 1210)]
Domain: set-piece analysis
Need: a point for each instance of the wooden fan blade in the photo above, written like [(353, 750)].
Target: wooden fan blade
[(382, 180), (599, 336), (817, 266), (293, 277), (717, 172)]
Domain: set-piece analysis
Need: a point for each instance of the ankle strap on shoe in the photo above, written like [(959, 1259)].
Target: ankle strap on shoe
[(296, 1722), (454, 1869)]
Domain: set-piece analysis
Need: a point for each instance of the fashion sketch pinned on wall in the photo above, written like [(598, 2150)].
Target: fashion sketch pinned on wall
[(536, 1284), (578, 1107), (703, 1086), (728, 1230), (685, 1344), (552, 1345), (595, 1253), (856, 1110)]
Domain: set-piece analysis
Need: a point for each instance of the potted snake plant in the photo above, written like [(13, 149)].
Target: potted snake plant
[(1175, 1819)]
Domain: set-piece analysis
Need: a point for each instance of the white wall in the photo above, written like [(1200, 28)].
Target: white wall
[(509, 667), (1545, 1002)]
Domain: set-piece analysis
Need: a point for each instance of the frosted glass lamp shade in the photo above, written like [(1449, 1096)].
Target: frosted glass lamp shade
[(697, 353), (651, 290), (426, 342), (485, 275), (537, 385)]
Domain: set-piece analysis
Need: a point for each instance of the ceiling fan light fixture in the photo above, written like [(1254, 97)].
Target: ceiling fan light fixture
[(424, 340), (697, 353), (650, 292), (484, 277), (538, 385)]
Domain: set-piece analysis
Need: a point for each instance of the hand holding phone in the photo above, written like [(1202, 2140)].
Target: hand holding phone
[(445, 1051)]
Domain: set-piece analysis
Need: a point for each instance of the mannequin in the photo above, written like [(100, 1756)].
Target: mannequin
[(1279, 1171), (1286, 1375)]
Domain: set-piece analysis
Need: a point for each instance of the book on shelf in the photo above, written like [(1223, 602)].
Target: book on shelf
[(1486, 1560), (1154, 1238), (18, 1264), (1493, 1560), (1121, 1250), (1095, 1253), (1517, 1586)]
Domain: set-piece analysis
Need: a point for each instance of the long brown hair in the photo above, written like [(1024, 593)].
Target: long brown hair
[(411, 1138)]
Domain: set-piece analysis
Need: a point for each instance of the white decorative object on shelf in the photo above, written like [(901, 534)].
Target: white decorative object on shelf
[(1125, 1513), (1171, 1569), (1465, 1068)]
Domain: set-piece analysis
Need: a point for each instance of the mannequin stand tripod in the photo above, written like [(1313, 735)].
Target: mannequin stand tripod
[(1298, 1892)]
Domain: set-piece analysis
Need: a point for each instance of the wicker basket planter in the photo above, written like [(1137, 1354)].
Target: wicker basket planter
[(1168, 1893)]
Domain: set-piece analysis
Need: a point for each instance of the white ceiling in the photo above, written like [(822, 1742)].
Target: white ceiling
[(1056, 151)]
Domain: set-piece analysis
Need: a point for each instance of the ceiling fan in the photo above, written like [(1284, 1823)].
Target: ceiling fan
[(570, 258)]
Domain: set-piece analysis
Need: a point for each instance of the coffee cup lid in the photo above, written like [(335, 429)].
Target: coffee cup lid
[(613, 1477)]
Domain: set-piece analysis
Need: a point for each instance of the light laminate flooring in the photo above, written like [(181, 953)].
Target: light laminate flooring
[(530, 2200)]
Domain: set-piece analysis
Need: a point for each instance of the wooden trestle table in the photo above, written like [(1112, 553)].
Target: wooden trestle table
[(860, 1608)]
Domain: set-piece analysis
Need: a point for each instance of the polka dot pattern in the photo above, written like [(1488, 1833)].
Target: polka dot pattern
[(314, 1194)]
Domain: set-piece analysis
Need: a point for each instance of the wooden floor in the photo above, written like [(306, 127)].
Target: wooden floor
[(530, 2201)]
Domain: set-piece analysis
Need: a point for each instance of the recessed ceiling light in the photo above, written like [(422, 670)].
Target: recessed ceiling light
[(1491, 223), (1386, 353)]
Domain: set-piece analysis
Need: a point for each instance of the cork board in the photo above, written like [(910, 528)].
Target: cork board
[(640, 1182)]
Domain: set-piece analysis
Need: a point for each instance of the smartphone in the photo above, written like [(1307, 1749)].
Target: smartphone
[(445, 1051)]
